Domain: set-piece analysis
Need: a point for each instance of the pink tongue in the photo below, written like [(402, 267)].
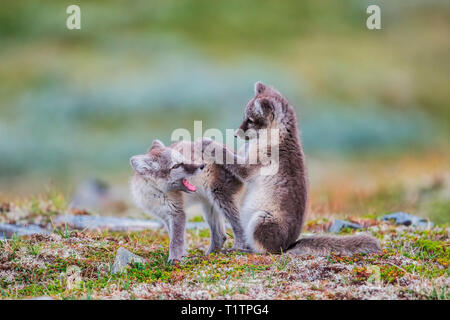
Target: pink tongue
[(189, 186)]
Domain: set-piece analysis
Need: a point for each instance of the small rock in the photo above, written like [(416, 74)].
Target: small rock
[(123, 259), (42, 298), (403, 218), (7, 230), (197, 225), (201, 225), (5, 207), (338, 225), (106, 223)]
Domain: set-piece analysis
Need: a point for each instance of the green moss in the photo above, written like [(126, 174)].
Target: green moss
[(390, 274), (156, 269), (34, 249), (197, 219), (431, 250), (31, 290), (204, 233), (347, 230)]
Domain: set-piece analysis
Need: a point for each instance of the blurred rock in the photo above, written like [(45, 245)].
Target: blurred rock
[(106, 223), (42, 298), (96, 195), (338, 225), (198, 225), (407, 219), (429, 188), (88, 222), (123, 259), (5, 207), (7, 230)]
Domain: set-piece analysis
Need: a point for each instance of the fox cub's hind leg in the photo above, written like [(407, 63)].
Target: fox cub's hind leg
[(216, 226), (264, 233)]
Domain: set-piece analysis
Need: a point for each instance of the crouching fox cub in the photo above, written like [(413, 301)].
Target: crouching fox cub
[(165, 181), (274, 208)]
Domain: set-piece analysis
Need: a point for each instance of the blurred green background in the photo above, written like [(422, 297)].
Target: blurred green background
[(76, 104)]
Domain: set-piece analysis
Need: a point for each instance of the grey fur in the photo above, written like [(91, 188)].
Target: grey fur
[(157, 188), (218, 191), (343, 245), (274, 208)]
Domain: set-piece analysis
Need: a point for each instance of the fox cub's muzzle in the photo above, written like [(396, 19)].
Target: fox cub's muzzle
[(192, 168)]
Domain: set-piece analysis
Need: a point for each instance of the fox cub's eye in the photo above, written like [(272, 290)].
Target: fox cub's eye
[(250, 120), (177, 165)]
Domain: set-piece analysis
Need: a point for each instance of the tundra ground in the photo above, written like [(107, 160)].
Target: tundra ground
[(72, 264)]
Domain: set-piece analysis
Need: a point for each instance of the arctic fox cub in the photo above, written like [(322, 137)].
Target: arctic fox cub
[(274, 208), (165, 180)]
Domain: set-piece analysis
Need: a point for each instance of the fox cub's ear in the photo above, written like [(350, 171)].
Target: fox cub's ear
[(143, 165), (156, 144), (260, 87)]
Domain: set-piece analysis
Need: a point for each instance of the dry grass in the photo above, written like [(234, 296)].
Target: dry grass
[(366, 186)]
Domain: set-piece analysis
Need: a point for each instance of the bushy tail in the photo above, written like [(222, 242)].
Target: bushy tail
[(345, 245)]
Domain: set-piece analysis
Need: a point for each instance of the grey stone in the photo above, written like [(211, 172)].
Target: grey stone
[(7, 230), (106, 223), (197, 225), (123, 259), (338, 225), (201, 225), (42, 298), (404, 218)]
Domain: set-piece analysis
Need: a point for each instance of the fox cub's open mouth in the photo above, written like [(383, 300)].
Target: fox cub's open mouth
[(189, 186)]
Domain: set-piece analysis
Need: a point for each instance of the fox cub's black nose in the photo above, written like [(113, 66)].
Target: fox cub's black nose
[(192, 168)]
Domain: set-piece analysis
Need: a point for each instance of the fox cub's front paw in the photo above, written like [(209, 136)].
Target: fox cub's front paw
[(177, 257), (175, 260)]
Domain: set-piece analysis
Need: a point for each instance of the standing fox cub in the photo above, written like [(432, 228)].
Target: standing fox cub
[(167, 178), (274, 208)]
